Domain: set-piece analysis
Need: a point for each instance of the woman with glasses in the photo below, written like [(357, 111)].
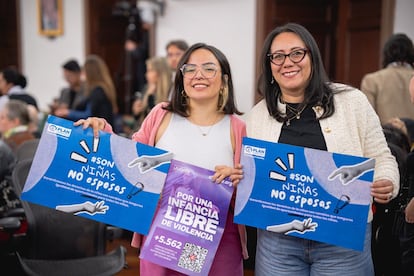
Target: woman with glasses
[(302, 107), (199, 125)]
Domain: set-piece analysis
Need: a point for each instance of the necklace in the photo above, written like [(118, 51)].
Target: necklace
[(295, 113), (205, 130)]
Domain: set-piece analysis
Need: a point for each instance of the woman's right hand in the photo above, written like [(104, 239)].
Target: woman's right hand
[(221, 172), (95, 123)]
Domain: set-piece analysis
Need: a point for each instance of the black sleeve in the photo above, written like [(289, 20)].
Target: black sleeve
[(410, 174)]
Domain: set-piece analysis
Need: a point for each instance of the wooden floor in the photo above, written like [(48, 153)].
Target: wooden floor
[(132, 259)]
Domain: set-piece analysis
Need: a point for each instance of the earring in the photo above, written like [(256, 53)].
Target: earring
[(272, 81), (184, 98), (220, 101)]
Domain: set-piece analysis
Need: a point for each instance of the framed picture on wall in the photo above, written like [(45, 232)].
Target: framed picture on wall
[(50, 17)]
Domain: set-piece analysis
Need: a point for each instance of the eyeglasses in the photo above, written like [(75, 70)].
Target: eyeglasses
[(295, 56), (208, 70)]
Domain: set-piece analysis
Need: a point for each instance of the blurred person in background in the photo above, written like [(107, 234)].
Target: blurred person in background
[(12, 85), (15, 123), (387, 88), (175, 50), (158, 78), (71, 95), (99, 95)]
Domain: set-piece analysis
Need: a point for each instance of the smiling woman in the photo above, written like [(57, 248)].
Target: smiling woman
[(302, 107), (205, 98)]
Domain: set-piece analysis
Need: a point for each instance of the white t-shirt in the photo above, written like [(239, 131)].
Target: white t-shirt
[(205, 147)]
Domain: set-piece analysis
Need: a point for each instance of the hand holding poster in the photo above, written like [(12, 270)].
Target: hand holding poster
[(110, 179), (307, 193), (190, 222)]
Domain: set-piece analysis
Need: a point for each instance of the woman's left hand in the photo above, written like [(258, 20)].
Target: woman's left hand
[(382, 190), (235, 174)]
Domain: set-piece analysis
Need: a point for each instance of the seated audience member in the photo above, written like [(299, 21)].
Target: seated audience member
[(99, 95), (71, 95), (12, 84), (14, 123)]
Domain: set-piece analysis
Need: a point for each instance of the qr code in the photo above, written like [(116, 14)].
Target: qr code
[(192, 257)]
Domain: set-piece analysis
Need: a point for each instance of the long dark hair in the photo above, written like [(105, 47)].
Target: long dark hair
[(176, 104), (317, 93)]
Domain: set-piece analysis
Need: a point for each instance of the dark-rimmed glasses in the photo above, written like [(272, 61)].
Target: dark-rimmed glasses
[(295, 56), (208, 70)]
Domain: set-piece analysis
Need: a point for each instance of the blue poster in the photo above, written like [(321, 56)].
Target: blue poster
[(110, 179), (189, 225), (306, 193)]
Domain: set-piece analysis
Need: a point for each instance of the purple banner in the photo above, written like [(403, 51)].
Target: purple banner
[(188, 227)]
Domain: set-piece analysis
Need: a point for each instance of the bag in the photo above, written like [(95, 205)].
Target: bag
[(8, 198)]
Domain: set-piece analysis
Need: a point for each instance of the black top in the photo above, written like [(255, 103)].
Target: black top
[(7, 159), (410, 174), (101, 106), (71, 97), (96, 105), (304, 132)]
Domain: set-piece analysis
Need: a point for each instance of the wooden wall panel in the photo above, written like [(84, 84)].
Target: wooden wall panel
[(10, 52), (361, 38), (350, 33), (105, 36), (318, 16)]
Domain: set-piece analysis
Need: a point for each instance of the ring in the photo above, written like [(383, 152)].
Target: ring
[(389, 196)]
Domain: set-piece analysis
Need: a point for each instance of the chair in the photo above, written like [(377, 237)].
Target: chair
[(60, 243), (27, 149)]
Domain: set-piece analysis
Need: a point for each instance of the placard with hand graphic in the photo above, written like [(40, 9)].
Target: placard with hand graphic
[(107, 178), (303, 192)]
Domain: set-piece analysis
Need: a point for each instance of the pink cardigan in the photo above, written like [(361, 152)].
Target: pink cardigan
[(146, 135)]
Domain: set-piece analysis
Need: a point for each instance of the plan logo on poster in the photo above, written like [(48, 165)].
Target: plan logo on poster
[(59, 130), (254, 151)]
